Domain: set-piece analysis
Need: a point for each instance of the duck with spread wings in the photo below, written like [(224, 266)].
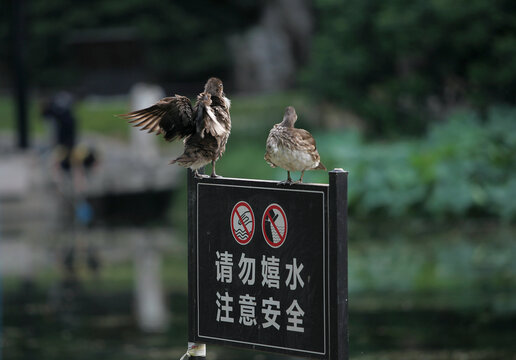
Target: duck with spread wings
[(205, 126)]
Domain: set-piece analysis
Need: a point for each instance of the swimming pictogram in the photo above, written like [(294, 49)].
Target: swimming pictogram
[(242, 222)]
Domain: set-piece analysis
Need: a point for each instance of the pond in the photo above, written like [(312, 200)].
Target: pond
[(417, 291)]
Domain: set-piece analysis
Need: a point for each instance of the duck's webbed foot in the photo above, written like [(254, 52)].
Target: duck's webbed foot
[(288, 181), (197, 175)]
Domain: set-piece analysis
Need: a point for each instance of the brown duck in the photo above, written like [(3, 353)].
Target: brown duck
[(292, 149), (205, 127)]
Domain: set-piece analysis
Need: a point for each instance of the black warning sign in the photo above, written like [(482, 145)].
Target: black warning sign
[(273, 292)]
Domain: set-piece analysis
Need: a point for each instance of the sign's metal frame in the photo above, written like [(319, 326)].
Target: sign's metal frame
[(337, 343)]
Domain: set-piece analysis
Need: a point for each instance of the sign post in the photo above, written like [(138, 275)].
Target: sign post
[(267, 265)]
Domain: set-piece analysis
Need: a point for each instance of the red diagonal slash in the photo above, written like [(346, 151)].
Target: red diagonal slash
[(275, 227), (242, 222)]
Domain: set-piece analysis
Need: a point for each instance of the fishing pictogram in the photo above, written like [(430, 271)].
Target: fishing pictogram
[(274, 225)]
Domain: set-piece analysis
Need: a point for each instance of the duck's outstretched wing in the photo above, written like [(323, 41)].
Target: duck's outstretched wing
[(171, 116)]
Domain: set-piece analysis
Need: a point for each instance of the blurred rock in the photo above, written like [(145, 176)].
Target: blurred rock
[(267, 56)]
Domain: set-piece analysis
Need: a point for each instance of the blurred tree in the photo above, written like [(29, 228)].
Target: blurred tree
[(400, 63), (183, 40)]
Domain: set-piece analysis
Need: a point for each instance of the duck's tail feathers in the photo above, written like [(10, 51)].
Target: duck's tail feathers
[(320, 167)]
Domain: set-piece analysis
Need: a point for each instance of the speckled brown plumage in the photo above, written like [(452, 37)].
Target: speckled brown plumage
[(205, 127), (292, 149)]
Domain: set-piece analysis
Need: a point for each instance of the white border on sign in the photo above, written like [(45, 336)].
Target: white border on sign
[(325, 271)]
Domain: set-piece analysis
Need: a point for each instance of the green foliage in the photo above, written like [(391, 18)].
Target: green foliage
[(403, 256), (406, 59), (462, 167)]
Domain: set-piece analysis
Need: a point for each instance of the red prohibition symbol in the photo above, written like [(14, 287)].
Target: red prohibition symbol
[(274, 225), (242, 222)]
